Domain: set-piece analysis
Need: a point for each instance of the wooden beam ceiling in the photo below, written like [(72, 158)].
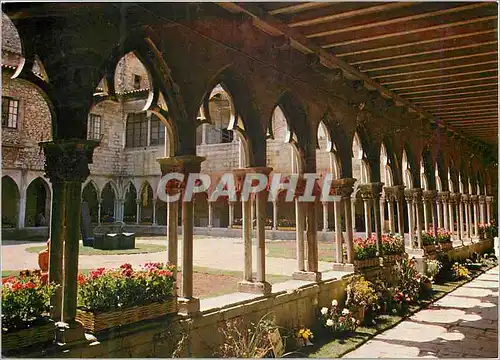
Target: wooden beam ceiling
[(438, 58)]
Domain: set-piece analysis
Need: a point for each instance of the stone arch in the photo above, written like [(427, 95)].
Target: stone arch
[(386, 173), (109, 196), (427, 170), (327, 154), (245, 120), (130, 203), (10, 202), (37, 203), (145, 199), (360, 165), (406, 168), (90, 195)]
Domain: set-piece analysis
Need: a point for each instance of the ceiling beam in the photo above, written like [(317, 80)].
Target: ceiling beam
[(490, 108), (456, 75), (298, 8), (369, 23), (336, 15), (445, 83), (462, 105), (465, 116), (486, 84), (438, 48), (329, 44), (460, 66), (459, 100)]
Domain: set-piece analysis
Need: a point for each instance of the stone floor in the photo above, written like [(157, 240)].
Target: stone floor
[(462, 324)]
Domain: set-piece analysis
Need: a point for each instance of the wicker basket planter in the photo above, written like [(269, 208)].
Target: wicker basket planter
[(366, 263), (95, 322), (389, 260), (429, 249), (446, 246), (27, 337)]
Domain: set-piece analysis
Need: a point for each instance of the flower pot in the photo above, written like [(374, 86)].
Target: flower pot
[(389, 260), (95, 322), (428, 249), (366, 263), (358, 312), (27, 337), (446, 246)]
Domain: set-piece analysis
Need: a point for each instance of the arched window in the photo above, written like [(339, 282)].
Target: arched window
[(137, 134)]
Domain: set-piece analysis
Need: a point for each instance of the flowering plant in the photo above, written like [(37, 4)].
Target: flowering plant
[(392, 244), (428, 238), (336, 320), (365, 248), (104, 290), (460, 272), (490, 230), (433, 267), (25, 300), (443, 236), (304, 336), (408, 278)]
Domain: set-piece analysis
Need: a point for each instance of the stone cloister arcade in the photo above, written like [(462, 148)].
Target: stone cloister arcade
[(394, 169)]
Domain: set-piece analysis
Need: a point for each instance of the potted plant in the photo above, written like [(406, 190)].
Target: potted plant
[(444, 240), (433, 268), (25, 311), (114, 297), (338, 321), (362, 299), (393, 247), (428, 242), (365, 253)]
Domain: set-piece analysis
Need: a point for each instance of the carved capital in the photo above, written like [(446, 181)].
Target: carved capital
[(183, 164), (429, 195), (465, 198), (68, 160), (417, 195), (408, 193), (371, 190), (482, 199), (343, 187), (456, 198), (489, 199), (473, 198)]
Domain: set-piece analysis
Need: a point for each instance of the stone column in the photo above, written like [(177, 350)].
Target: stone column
[(184, 164), (210, 214), (450, 215), (458, 210), (392, 224), (475, 203), (399, 209), (99, 203), (426, 215), (372, 193), (338, 231), (417, 197), (482, 212), (260, 286), (21, 218), (489, 202), (430, 197), (353, 213), (311, 238), (325, 217), (154, 212), (138, 211), (382, 213), (275, 215), (246, 215), (409, 201), (368, 223), (204, 134), (231, 214), (439, 213), (299, 233), (66, 165), (172, 224), (465, 199)]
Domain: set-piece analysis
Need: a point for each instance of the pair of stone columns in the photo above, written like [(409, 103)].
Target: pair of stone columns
[(394, 197), (415, 211), (66, 165), (370, 193)]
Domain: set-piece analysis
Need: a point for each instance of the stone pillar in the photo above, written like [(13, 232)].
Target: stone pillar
[(430, 197), (489, 202), (210, 214), (399, 202), (338, 232), (246, 214), (299, 233), (450, 216), (353, 213), (311, 238), (444, 199), (458, 210), (482, 212), (66, 165), (154, 212), (260, 286), (21, 218), (204, 134), (99, 203), (368, 223), (172, 224), (346, 198), (439, 213), (417, 197), (275, 215), (138, 211), (392, 224), (409, 201), (382, 213), (184, 164), (465, 199), (475, 203), (426, 215), (325, 217), (371, 192), (231, 214)]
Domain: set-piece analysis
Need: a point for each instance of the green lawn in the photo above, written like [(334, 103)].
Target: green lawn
[(287, 250), (140, 248)]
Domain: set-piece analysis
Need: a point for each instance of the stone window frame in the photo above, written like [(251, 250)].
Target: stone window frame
[(137, 81), (149, 130), (94, 126), (6, 111), (156, 131)]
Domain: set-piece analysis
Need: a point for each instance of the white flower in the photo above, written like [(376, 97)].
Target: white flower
[(329, 322), (353, 320), (324, 311), (334, 302), (345, 312)]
